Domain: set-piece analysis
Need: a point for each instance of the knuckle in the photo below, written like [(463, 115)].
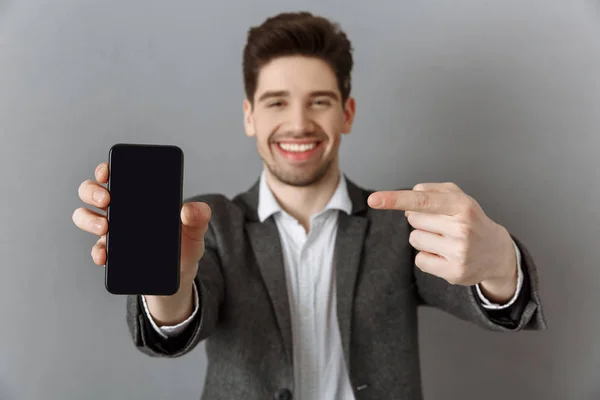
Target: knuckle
[(470, 212), (470, 207), (464, 231), (422, 200)]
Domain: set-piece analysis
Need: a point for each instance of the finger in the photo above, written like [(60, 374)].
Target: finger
[(437, 187), (195, 217), (432, 243), (448, 203), (431, 263), (101, 173), (94, 194), (99, 251), (90, 221), (435, 223)]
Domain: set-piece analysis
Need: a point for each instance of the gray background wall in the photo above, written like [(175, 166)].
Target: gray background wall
[(500, 97)]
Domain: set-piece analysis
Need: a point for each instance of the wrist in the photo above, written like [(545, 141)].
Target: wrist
[(171, 310), (501, 286), (501, 289)]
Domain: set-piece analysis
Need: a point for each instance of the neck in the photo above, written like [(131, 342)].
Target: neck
[(303, 202)]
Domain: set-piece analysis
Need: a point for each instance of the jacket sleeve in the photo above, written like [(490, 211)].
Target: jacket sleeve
[(210, 284), (463, 301)]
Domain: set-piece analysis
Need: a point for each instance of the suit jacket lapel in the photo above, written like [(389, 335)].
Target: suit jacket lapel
[(347, 256), (266, 244)]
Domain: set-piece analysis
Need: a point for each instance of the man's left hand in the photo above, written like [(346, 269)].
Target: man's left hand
[(455, 238)]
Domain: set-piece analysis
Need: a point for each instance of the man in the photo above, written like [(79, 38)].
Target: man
[(307, 286)]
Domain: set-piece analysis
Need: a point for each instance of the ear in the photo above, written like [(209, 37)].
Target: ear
[(349, 112), (248, 119)]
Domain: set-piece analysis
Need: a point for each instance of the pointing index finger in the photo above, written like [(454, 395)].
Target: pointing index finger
[(448, 203)]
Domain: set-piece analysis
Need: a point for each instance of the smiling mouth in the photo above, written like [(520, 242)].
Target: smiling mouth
[(297, 147), (299, 151)]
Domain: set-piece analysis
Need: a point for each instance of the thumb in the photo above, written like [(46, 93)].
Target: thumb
[(195, 217)]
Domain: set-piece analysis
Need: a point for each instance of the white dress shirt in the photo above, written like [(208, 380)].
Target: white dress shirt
[(319, 367)]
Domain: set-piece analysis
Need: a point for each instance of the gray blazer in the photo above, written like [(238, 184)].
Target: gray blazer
[(245, 318)]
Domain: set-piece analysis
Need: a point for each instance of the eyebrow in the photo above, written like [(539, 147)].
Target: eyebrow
[(284, 93)]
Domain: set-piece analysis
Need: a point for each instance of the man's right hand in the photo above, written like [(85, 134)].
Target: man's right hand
[(195, 217)]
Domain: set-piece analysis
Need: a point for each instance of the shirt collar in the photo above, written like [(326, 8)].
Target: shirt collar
[(268, 205)]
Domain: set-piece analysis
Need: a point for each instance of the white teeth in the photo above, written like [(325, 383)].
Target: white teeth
[(297, 148)]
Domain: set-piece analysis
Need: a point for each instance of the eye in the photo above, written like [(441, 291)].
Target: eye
[(323, 102), (275, 104)]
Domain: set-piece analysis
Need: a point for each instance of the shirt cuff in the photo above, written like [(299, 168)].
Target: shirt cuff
[(168, 331), (493, 306)]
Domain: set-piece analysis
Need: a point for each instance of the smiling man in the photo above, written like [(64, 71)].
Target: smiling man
[(306, 286)]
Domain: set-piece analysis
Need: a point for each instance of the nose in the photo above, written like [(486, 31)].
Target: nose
[(300, 121)]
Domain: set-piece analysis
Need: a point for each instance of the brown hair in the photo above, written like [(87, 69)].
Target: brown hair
[(300, 33)]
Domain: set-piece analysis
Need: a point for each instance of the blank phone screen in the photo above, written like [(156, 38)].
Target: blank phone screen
[(144, 225)]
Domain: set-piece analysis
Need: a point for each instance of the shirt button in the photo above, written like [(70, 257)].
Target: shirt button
[(283, 394)]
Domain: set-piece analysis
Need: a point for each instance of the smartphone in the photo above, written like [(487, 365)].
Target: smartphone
[(143, 242)]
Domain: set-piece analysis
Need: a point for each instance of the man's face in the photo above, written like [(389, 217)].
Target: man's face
[(298, 119)]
